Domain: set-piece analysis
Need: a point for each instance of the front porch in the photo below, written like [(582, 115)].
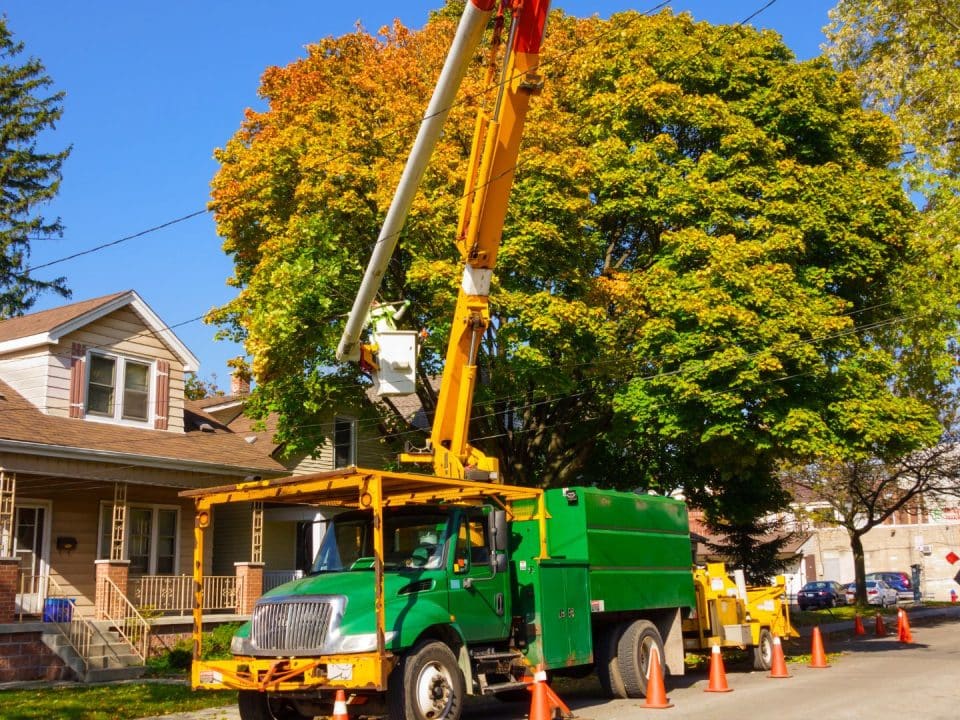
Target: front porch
[(130, 619)]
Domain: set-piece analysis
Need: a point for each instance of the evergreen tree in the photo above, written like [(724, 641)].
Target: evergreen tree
[(28, 176)]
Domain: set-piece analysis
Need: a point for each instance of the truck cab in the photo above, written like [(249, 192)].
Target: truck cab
[(441, 567)]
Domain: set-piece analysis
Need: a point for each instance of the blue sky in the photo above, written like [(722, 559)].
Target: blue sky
[(153, 88)]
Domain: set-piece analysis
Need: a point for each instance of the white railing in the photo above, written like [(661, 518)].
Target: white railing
[(31, 593), (275, 578), (125, 617), (75, 626), (173, 594)]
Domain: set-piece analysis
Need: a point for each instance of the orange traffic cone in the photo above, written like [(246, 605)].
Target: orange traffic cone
[(858, 625), (818, 658), (340, 706), (903, 627), (881, 630), (718, 676), (545, 701), (778, 665), (656, 692), (540, 705)]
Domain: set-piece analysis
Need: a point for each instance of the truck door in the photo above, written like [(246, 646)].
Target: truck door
[(478, 596)]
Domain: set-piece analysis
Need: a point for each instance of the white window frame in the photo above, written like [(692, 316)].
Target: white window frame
[(120, 369), (103, 552), (352, 421)]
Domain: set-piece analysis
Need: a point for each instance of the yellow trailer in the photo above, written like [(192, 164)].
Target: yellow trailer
[(731, 614)]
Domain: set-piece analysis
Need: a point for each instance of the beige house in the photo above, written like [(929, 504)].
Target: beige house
[(96, 442)]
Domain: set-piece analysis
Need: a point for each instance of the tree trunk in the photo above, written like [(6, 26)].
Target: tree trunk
[(859, 567)]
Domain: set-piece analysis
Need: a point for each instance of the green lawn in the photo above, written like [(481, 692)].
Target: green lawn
[(107, 702)]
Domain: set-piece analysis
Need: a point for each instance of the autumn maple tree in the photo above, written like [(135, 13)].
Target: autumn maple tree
[(699, 262)]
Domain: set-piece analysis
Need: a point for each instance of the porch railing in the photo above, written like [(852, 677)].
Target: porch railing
[(79, 630), (131, 625), (173, 594), (275, 578)]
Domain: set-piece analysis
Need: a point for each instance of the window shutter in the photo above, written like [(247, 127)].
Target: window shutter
[(78, 359), (163, 395)]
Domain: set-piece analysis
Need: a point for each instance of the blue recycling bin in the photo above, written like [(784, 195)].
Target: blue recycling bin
[(57, 610)]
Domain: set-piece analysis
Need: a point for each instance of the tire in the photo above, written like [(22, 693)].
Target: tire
[(803, 608), (608, 669), (254, 705), (831, 603), (638, 641), (426, 685), (763, 651)]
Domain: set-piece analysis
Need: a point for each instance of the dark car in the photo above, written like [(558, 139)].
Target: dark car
[(821, 594), (899, 581)]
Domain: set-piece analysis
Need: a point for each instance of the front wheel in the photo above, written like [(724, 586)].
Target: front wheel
[(255, 705), (426, 685), (763, 651)]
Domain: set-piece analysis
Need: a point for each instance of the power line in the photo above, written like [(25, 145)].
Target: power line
[(112, 243)]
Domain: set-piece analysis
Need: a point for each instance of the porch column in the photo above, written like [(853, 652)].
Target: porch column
[(9, 573), (118, 572), (249, 586)]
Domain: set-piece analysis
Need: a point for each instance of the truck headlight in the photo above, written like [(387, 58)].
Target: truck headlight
[(364, 642), (240, 645)]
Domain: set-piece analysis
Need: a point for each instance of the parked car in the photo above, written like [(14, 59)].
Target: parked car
[(878, 593), (821, 594), (899, 581)]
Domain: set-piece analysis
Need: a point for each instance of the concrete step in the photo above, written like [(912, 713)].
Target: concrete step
[(113, 674)]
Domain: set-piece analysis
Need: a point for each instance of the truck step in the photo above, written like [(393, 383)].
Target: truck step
[(495, 655), (503, 687)]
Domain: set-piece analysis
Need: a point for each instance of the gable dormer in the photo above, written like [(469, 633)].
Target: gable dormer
[(106, 360)]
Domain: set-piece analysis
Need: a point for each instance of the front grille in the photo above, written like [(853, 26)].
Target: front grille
[(297, 625)]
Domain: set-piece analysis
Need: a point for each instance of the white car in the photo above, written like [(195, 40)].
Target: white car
[(878, 593)]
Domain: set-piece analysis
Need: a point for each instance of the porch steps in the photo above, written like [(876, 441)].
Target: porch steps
[(109, 657)]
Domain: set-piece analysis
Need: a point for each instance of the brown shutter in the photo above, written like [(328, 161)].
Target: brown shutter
[(78, 361), (163, 395)]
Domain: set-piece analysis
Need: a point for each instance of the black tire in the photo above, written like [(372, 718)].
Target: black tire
[(639, 640), (763, 651), (426, 685), (605, 659), (255, 705), (803, 608), (832, 603)]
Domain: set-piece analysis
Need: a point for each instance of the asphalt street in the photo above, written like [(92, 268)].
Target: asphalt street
[(867, 678)]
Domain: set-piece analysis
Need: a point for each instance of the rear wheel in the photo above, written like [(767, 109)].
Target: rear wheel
[(639, 641), (426, 685), (255, 705), (763, 651), (608, 668)]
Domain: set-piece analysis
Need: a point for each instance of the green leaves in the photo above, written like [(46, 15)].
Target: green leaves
[(29, 177), (706, 267)]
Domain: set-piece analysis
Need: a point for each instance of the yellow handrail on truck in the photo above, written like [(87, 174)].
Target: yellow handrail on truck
[(356, 488)]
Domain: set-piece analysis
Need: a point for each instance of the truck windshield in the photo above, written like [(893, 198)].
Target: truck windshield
[(410, 542)]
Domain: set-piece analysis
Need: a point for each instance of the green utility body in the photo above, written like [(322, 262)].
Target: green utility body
[(611, 555)]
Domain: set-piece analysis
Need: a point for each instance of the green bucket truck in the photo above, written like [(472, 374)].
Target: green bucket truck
[(426, 589)]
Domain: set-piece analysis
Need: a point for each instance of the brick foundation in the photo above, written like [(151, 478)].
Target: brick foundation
[(9, 574), (24, 656), (249, 586)]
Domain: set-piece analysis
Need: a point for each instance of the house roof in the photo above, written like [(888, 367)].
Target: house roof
[(48, 326), (214, 449)]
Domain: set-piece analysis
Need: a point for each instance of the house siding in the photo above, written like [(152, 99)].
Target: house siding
[(27, 374), (75, 512), (124, 333), (231, 536)]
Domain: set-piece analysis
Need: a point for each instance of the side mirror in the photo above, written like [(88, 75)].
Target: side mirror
[(498, 530)]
